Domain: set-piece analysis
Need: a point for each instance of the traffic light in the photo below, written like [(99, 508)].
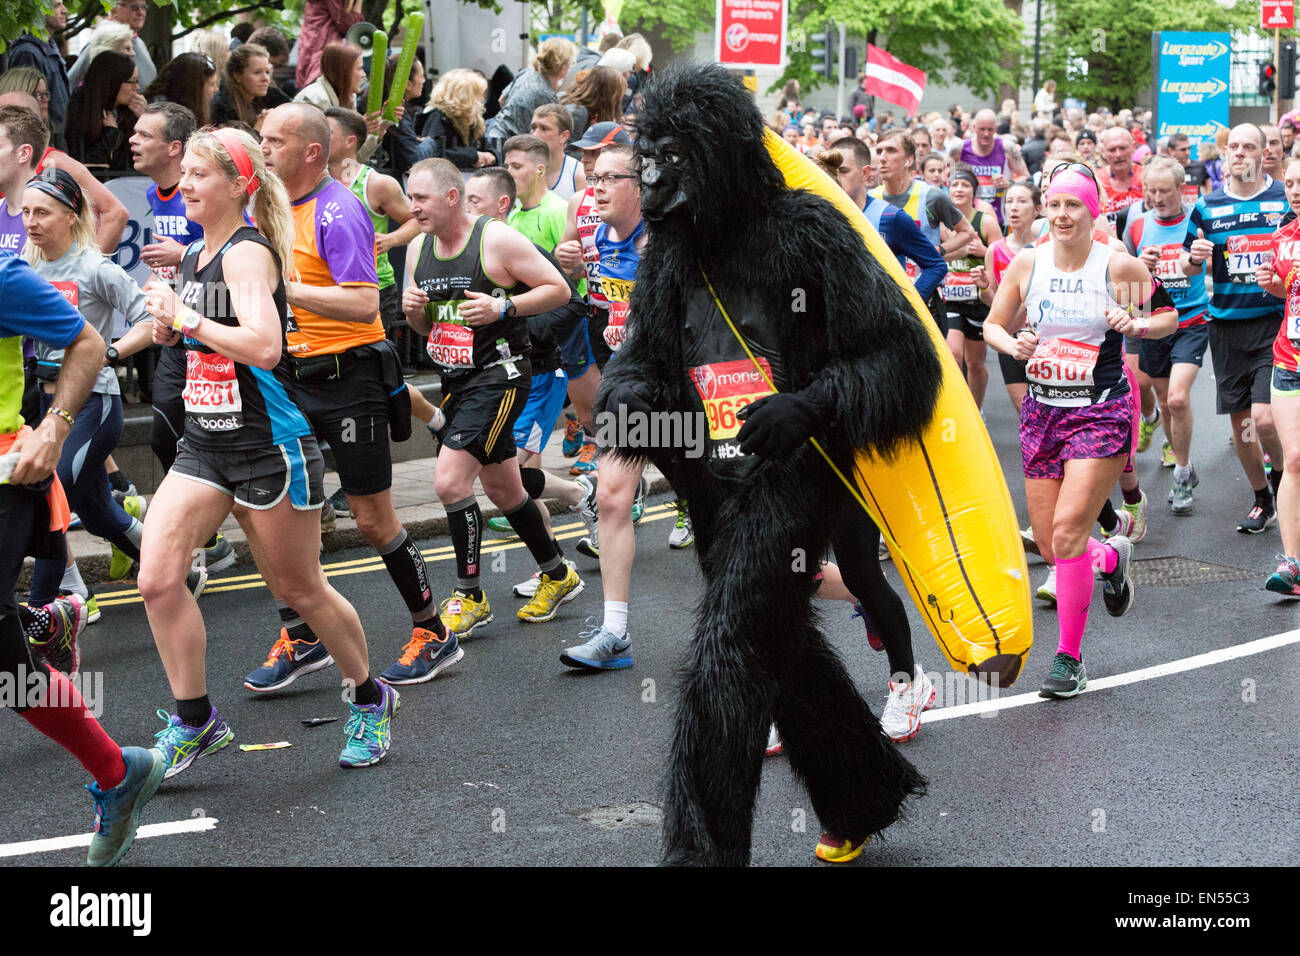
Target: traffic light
[(823, 51), (1267, 79), (850, 63), (1286, 70)]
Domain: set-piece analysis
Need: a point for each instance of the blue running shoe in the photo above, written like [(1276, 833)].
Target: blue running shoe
[(573, 439), (181, 744), (638, 502), (423, 658), (288, 661), (1285, 579), (601, 651), (368, 730), (117, 811)]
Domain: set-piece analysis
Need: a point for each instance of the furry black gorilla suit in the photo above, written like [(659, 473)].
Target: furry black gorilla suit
[(856, 370)]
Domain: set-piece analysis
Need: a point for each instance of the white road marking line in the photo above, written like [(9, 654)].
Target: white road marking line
[(1119, 680), (192, 825)]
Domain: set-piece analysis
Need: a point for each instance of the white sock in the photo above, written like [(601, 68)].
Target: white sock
[(1182, 472), (616, 618), (72, 582), (135, 532)]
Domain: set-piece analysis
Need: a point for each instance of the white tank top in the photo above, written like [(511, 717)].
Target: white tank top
[(588, 221), (1080, 359), (564, 187)]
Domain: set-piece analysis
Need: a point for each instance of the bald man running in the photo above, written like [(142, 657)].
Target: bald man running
[(1120, 179), (995, 165), (346, 376)]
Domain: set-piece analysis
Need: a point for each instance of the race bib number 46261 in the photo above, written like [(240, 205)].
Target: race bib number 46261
[(1246, 254)]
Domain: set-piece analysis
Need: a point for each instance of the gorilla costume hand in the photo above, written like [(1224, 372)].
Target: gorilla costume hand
[(625, 395), (776, 425)]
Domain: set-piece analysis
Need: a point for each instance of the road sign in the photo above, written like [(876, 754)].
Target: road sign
[(1277, 14)]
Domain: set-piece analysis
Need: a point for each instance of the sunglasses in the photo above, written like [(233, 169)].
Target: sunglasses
[(1079, 167)]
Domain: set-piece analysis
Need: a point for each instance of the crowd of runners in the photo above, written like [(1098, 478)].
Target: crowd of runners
[(1098, 278)]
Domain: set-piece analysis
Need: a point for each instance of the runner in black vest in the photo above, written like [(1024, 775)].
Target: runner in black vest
[(478, 337)]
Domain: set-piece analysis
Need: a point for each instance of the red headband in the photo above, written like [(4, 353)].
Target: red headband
[(238, 155)]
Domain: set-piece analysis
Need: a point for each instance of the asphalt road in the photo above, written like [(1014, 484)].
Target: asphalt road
[(512, 758)]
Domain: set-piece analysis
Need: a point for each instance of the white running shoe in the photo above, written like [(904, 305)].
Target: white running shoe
[(1139, 514), (1047, 590), (682, 535), (773, 743), (901, 719)]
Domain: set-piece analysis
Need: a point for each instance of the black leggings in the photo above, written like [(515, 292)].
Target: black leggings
[(18, 511), (856, 541)]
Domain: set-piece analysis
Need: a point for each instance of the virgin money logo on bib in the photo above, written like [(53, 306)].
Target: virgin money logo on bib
[(1238, 243), (706, 380), (737, 37)]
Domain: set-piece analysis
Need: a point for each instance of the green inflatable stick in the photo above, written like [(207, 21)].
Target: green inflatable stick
[(378, 56), (414, 29)]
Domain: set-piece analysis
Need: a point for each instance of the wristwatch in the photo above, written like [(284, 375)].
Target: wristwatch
[(187, 320), (511, 309), (110, 353)]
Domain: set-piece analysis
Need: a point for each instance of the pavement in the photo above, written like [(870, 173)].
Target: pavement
[(1182, 752)]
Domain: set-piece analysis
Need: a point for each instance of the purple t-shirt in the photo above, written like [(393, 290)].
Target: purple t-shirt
[(987, 168)]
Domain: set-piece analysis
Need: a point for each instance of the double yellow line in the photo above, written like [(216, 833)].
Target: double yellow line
[(243, 582)]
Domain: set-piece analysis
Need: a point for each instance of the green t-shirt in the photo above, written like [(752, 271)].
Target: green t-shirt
[(11, 384), (544, 223)]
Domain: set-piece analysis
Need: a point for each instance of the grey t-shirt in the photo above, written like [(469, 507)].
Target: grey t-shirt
[(99, 289), (938, 207)]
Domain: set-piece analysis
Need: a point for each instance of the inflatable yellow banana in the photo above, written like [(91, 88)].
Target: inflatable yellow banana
[(944, 502)]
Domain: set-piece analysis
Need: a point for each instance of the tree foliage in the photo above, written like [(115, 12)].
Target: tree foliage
[(1099, 51)]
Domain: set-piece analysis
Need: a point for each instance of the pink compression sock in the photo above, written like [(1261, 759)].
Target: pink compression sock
[(1073, 595), (1102, 556)]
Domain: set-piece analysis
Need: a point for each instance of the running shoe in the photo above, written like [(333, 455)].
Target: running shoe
[(774, 744), (551, 593), (196, 581), (1138, 531), (67, 620), (1180, 494), (327, 517), (119, 565), (589, 545), (339, 502), (93, 613), (682, 535), (1167, 459), (74, 522), (872, 637), (1259, 518), (462, 615), (117, 810), (1047, 590), (901, 719), (586, 462), (1028, 540), (1117, 586), (121, 494), (1145, 430), (638, 503), (526, 589), (368, 730), (572, 436), (1125, 526), (1286, 579), (181, 744), (500, 525), (288, 660), (220, 556), (424, 657), (1067, 678), (600, 651), (832, 849), (882, 550), (587, 507), (1268, 465)]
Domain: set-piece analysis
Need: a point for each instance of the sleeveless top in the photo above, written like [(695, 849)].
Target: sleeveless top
[(959, 289), (1080, 359), (618, 265), (564, 187), (229, 405), (588, 222), (458, 349), (987, 168), (382, 265)]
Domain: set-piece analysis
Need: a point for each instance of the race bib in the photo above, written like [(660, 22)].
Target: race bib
[(69, 290), (1191, 193), (1167, 270), (1293, 317), (960, 287), (987, 191), (211, 393), (912, 269), (451, 341), (1246, 254), (1060, 372), (616, 331), (725, 388)]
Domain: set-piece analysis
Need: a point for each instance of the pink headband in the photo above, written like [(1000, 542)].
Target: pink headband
[(238, 155), (1075, 184)]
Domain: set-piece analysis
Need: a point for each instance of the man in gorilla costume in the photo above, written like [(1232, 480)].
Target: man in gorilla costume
[(853, 368)]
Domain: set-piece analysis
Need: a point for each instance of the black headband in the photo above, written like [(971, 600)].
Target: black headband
[(60, 185)]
